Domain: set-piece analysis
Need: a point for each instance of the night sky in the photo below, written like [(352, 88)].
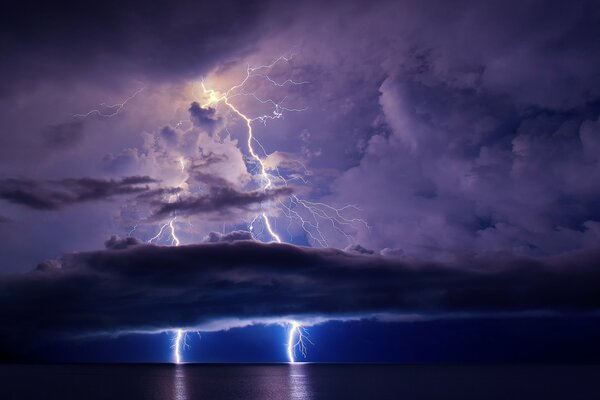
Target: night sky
[(406, 181)]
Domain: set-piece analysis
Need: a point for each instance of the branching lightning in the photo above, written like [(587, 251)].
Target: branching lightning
[(297, 338), (316, 214), (180, 341), (175, 240), (179, 344), (316, 219), (214, 97), (108, 111), (171, 223), (311, 216)]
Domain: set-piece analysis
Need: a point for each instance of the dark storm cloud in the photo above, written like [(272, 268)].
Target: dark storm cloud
[(210, 180), (204, 118), (137, 287), (220, 196), (121, 161), (219, 200), (57, 194), (216, 237), (113, 243), (358, 249), (63, 135), (120, 36), (206, 159), (158, 193), (169, 135)]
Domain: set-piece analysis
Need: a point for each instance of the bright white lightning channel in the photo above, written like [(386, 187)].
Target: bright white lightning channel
[(180, 334), (177, 347), (297, 338), (312, 217), (215, 98), (179, 343)]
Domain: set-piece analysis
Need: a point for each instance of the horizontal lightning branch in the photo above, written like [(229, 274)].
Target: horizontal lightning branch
[(108, 111)]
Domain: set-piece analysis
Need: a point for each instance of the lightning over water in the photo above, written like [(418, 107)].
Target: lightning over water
[(300, 184), (297, 340), (317, 220), (179, 344), (312, 217)]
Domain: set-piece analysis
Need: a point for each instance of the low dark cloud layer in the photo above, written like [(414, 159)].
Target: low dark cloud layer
[(57, 194), (137, 287)]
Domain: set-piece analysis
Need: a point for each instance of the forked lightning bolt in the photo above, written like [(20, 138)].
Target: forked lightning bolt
[(297, 338), (311, 216), (214, 98), (180, 341), (179, 344), (108, 111), (171, 223)]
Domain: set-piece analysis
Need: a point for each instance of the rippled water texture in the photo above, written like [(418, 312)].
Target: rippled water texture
[(299, 381)]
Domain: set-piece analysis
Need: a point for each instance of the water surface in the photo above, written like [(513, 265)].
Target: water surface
[(298, 381)]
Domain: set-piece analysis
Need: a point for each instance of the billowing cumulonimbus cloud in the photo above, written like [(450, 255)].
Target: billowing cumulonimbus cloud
[(57, 194), (131, 286), (447, 149)]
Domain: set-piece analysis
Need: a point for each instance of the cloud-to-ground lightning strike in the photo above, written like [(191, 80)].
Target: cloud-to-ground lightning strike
[(297, 338), (179, 343), (180, 335), (310, 215), (111, 110)]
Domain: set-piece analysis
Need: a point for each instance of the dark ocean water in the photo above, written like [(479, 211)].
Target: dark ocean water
[(299, 381)]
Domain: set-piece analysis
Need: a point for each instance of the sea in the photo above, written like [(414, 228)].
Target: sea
[(297, 381)]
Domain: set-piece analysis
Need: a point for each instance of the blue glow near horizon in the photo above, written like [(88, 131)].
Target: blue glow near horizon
[(451, 341)]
